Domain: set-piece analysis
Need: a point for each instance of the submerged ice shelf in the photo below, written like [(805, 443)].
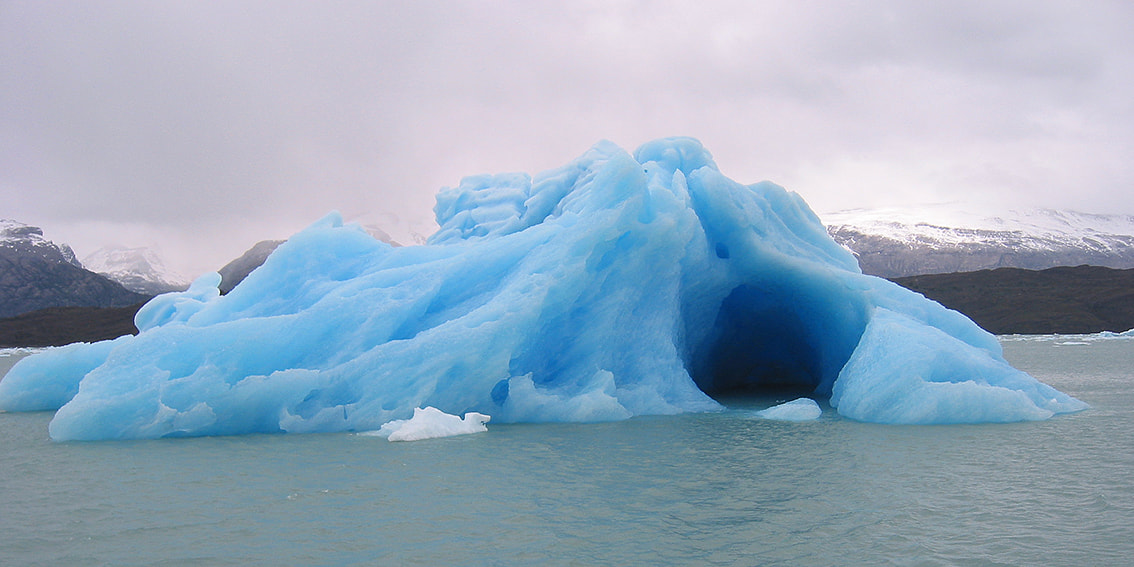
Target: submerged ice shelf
[(617, 285)]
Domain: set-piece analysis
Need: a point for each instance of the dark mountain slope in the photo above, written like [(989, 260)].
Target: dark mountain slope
[(1082, 299), (29, 282), (235, 271), (57, 326), (36, 273)]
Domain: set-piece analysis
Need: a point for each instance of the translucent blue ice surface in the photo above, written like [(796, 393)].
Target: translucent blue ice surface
[(615, 286)]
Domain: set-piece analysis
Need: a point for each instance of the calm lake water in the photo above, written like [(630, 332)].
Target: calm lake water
[(715, 489)]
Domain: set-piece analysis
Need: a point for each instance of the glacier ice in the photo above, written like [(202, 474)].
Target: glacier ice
[(799, 409), (432, 423), (50, 378), (615, 286)]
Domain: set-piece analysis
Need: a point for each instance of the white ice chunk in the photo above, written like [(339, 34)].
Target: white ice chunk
[(431, 423), (801, 409)]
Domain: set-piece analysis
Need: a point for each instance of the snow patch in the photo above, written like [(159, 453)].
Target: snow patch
[(138, 269), (1024, 229)]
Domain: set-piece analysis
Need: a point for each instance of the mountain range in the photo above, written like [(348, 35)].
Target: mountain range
[(894, 243), (995, 269), (36, 273)]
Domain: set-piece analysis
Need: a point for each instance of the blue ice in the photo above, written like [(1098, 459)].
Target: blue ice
[(615, 286)]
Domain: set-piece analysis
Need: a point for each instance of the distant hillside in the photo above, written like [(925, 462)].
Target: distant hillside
[(36, 273), (1083, 299), (235, 271), (57, 326), (945, 239)]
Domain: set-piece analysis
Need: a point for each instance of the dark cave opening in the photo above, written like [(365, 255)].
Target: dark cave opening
[(759, 347)]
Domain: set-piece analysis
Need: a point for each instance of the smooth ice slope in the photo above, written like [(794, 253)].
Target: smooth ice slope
[(614, 286), (49, 379)]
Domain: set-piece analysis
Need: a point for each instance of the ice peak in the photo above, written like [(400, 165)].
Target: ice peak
[(676, 154), (29, 239)]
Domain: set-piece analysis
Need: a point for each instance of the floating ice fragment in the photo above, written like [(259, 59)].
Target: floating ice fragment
[(802, 409), (431, 423)]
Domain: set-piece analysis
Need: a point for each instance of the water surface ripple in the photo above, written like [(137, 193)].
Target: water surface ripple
[(711, 489)]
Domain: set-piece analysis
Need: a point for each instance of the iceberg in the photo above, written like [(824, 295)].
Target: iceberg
[(615, 286), (431, 423), (800, 409)]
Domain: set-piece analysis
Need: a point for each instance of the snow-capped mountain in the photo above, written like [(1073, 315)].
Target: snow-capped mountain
[(945, 238), (36, 273), (19, 238), (137, 269)]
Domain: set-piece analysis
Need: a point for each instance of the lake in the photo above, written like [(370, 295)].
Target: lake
[(700, 489)]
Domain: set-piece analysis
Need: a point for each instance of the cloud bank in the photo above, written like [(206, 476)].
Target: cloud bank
[(204, 128)]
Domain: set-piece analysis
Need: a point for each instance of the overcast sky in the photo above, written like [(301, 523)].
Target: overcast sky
[(203, 127)]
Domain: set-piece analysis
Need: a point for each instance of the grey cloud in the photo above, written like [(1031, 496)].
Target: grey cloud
[(190, 117)]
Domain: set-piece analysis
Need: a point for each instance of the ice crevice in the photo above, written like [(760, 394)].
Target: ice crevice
[(617, 285)]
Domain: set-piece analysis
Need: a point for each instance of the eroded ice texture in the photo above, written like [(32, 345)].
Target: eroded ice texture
[(617, 285), (432, 423), (800, 409)]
